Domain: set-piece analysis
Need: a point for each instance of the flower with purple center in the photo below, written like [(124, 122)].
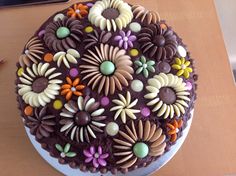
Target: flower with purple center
[(125, 39), (97, 158)]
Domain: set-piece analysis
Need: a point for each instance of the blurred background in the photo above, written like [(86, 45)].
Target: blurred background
[(226, 11)]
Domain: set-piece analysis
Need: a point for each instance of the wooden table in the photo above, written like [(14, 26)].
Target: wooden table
[(210, 149)]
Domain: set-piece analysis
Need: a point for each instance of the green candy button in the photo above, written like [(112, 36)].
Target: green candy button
[(63, 32), (107, 68), (140, 150)]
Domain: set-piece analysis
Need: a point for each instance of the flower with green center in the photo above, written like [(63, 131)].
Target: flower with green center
[(141, 150), (138, 141), (65, 151), (144, 66), (62, 32), (107, 68), (183, 67)]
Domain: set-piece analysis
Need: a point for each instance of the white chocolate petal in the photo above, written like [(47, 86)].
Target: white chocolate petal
[(89, 103), (80, 103), (97, 112)]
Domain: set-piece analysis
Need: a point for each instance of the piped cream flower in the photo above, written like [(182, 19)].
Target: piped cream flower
[(168, 95), (38, 85), (124, 107), (70, 56), (110, 14)]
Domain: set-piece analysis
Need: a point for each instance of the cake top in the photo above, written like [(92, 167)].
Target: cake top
[(106, 86)]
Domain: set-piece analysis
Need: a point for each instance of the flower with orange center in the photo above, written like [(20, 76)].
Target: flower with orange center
[(173, 129), (72, 88), (78, 11)]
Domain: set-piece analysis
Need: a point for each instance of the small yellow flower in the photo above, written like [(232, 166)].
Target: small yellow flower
[(183, 67)]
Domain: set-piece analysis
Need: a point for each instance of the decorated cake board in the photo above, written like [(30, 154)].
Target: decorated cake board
[(67, 170)]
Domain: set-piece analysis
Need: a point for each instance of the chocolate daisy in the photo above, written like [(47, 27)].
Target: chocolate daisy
[(97, 38), (107, 68), (157, 42), (41, 124), (110, 14), (138, 142), (145, 15), (63, 34), (168, 95), (80, 120), (32, 52), (39, 85), (124, 107)]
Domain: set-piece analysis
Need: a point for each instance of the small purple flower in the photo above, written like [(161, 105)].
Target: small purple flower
[(125, 39), (98, 158)]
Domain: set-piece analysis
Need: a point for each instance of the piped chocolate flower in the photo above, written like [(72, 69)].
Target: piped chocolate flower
[(145, 15), (97, 38), (80, 120), (41, 124), (124, 107), (168, 95), (110, 14), (63, 34), (157, 42), (107, 68), (138, 142), (39, 85), (32, 52)]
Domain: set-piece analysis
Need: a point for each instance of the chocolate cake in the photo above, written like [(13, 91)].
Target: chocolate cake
[(106, 86)]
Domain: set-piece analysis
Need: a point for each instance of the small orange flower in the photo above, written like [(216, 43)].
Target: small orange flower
[(78, 10), (72, 87), (174, 129)]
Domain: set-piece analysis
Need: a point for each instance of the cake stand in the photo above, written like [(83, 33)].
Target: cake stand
[(66, 170)]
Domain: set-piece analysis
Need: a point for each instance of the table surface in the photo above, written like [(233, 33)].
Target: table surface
[(210, 147)]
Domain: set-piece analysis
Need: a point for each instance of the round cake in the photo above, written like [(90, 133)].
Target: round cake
[(105, 86)]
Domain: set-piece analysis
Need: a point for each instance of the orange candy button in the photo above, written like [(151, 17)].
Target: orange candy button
[(163, 26), (28, 111), (48, 57)]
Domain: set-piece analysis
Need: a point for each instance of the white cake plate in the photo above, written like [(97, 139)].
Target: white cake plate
[(68, 171)]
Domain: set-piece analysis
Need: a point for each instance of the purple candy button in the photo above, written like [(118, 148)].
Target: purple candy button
[(105, 101), (74, 72), (90, 4), (145, 111), (41, 33), (189, 85)]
